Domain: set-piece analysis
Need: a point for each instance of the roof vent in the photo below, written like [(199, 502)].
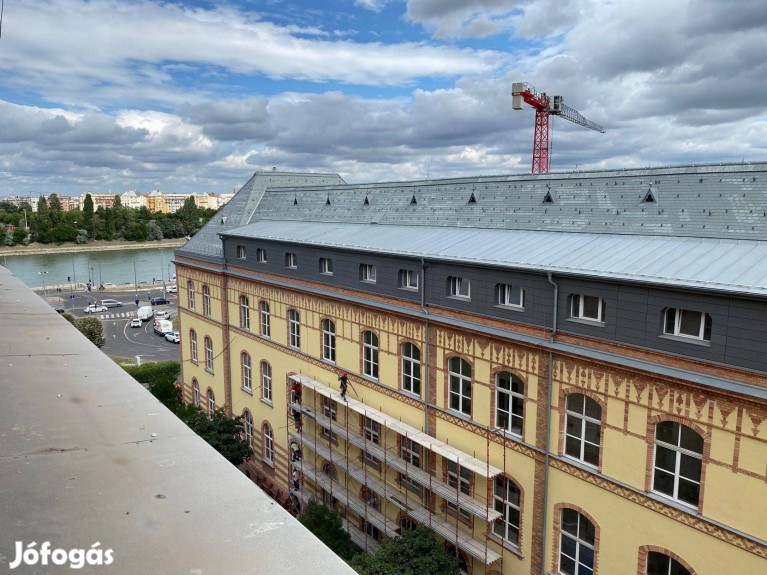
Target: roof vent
[(327, 202), (223, 219), (413, 201), (548, 199), (649, 198), (473, 199), (295, 200), (367, 201)]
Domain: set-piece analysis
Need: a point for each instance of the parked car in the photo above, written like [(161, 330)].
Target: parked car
[(136, 322), (111, 303), (171, 289), (162, 314), (162, 327), (95, 308), (59, 309), (173, 337), (159, 301), (144, 313)]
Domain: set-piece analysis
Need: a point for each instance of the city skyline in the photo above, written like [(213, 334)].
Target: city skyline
[(197, 95)]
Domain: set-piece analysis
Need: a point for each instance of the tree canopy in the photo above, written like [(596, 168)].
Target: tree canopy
[(327, 526), (223, 433), (416, 552)]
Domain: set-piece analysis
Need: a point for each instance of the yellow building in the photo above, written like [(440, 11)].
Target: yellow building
[(556, 374)]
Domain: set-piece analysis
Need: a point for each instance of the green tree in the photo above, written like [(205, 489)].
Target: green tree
[(19, 235), (327, 525), (188, 215), (90, 327), (417, 552), (223, 433), (160, 378), (42, 222), (88, 214), (54, 206)]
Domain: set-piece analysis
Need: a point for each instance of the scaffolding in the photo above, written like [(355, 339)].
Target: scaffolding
[(325, 436)]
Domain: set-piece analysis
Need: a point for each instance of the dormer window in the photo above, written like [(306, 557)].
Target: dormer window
[(261, 255), (685, 323)]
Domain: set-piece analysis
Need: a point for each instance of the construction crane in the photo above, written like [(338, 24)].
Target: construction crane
[(545, 106)]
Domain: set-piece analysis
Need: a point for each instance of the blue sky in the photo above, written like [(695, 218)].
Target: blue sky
[(110, 95)]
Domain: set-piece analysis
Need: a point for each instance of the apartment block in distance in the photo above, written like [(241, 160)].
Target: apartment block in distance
[(556, 373)]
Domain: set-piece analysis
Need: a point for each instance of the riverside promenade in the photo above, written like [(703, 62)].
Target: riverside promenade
[(95, 246)]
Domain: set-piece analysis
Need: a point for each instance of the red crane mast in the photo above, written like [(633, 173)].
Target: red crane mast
[(546, 106)]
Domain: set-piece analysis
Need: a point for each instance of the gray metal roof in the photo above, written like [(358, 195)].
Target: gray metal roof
[(239, 210), (716, 201), (738, 266)]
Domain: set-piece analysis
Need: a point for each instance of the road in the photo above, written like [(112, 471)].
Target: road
[(121, 339)]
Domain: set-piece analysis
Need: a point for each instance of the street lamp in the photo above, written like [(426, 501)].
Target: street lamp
[(45, 290)]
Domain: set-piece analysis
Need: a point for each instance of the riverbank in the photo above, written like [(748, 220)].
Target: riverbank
[(94, 246)]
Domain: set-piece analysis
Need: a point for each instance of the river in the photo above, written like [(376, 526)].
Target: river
[(98, 267)]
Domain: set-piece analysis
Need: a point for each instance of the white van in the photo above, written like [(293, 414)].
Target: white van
[(145, 313), (163, 326)]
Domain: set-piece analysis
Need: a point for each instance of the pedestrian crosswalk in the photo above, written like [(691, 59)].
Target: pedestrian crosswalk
[(124, 314)]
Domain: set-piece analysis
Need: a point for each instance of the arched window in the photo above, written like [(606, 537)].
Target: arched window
[(661, 564), (678, 462), (294, 328), (509, 402), (268, 443), (211, 403), (266, 382), (190, 293), (266, 324), (459, 375), (193, 344), (330, 470), (208, 354), (576, 544), (370, 498), (463, 560), (247, 381), (206, 307), (328, 340), (244, 312), (583, 423), (195, 393), (411, 368), (248, 419), (507, 502), (370, 354)]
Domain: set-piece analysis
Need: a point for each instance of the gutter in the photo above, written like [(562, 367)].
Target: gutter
[(548, 426)]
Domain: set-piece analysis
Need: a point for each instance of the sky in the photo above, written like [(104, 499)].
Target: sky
[(112, 95)]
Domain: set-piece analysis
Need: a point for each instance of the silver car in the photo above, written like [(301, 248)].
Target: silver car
[(95, 308)]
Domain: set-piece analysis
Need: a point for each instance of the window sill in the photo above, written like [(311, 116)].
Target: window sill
[(459, 414), (330, 361), (291, 267), (209, 370), (510, 434), (269, 462), (407, 288), (507, 545), (267, 402), (587, 321), (411, 393), (368, 281), (581, 463), (298, 347), (675, 502), (509, 307), (248, 390), (194, 361), (326, 273), (460, 297), (683, 339)]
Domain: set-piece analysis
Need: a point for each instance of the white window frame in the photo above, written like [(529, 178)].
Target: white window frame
[(580, 545), (507, 507), (373, 435), (666, 569), (408, 279), (265, 317), (244, 312), (329, 410), (246, 367), (211, 403), (190, 292), (261, 255), (208, 354), (459, 478), (679, 452), (411, 452), (206, 302), (266, 382), (514, 416), (248, 417), (456, 388), (326, 266), (241, 255), (291, 260), (368, 273), (678, 314), (294, 329), (507, 297), (193, 344), (457, 287), (578, 306), (411, 368), (328, 340), (196, 392), (581, 423), (370, 354), (268, 435)]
